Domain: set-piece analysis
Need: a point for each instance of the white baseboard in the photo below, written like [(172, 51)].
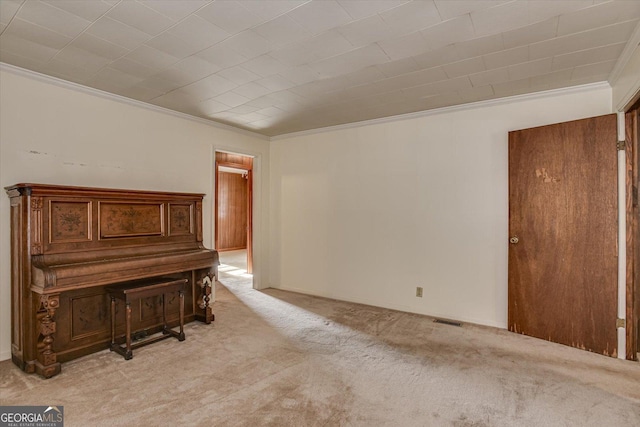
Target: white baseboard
[(397, 307)]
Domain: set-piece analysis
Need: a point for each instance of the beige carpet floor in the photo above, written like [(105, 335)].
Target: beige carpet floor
[(237, 259), (284, 359)]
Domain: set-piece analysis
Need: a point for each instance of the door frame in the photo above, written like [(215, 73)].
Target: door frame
[(249, 168), (632, 163)]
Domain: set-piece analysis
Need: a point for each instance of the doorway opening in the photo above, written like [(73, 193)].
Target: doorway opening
[(234, 212)]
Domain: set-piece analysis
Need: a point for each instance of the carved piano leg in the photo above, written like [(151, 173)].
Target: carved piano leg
[(47, 364), (204, 301)]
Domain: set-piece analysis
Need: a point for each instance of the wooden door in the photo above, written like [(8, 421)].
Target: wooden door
[(232, 211), (563, 260)]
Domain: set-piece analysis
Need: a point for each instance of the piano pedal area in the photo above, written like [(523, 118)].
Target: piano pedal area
[(139, 336)]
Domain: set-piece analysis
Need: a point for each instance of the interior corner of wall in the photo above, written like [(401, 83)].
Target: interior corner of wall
[(623, 102), (626, 84)]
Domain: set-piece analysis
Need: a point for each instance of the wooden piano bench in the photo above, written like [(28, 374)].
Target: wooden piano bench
[(135, 290)]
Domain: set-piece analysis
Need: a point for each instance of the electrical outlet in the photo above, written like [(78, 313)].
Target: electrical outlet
[(419, 292)]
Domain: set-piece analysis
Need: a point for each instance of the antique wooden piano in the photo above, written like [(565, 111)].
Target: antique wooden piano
[(69, 243)]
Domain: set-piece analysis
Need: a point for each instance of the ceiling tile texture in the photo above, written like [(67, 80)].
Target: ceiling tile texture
[(281, 66)]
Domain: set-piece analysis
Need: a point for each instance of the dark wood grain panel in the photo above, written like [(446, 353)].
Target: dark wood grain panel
[(150, 309), (130, 219), (89, 315), (563, 209), (70, 221), (232, 211), (180, 219)]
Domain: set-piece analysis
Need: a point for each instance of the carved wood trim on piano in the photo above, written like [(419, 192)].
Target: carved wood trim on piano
[(36, 223), (47, 364), (69, 243), (199, 221)]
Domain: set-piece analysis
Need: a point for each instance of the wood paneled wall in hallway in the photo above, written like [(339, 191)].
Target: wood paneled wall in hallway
[(232, 211), (234, 160)]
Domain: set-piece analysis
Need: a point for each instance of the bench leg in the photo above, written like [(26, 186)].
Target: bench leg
[(129, 354), (181, 336), (113, 323), (165, 328)]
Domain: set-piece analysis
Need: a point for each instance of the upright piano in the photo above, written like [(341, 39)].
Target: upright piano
[(69, 243)]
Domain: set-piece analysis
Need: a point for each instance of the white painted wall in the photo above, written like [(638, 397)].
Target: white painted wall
[(369, 213), (363, 214), (57, 135)]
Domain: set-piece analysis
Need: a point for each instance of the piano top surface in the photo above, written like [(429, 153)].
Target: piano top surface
[(68, 190)]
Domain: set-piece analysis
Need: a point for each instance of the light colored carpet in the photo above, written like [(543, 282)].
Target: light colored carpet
[(237, 259), (285, 359)]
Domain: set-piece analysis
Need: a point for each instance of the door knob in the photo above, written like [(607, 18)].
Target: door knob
[(514, 240)]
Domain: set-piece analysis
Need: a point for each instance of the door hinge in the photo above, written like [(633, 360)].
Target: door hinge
[(621, 323), (620, 145)]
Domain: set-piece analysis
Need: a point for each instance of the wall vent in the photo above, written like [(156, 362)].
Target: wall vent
[(447, 322)]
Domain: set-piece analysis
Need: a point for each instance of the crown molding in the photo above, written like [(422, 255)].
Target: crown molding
[(462, 107), (451, 109), (122, 99)]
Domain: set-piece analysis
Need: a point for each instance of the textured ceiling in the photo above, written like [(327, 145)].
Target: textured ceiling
[(277, 67)]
